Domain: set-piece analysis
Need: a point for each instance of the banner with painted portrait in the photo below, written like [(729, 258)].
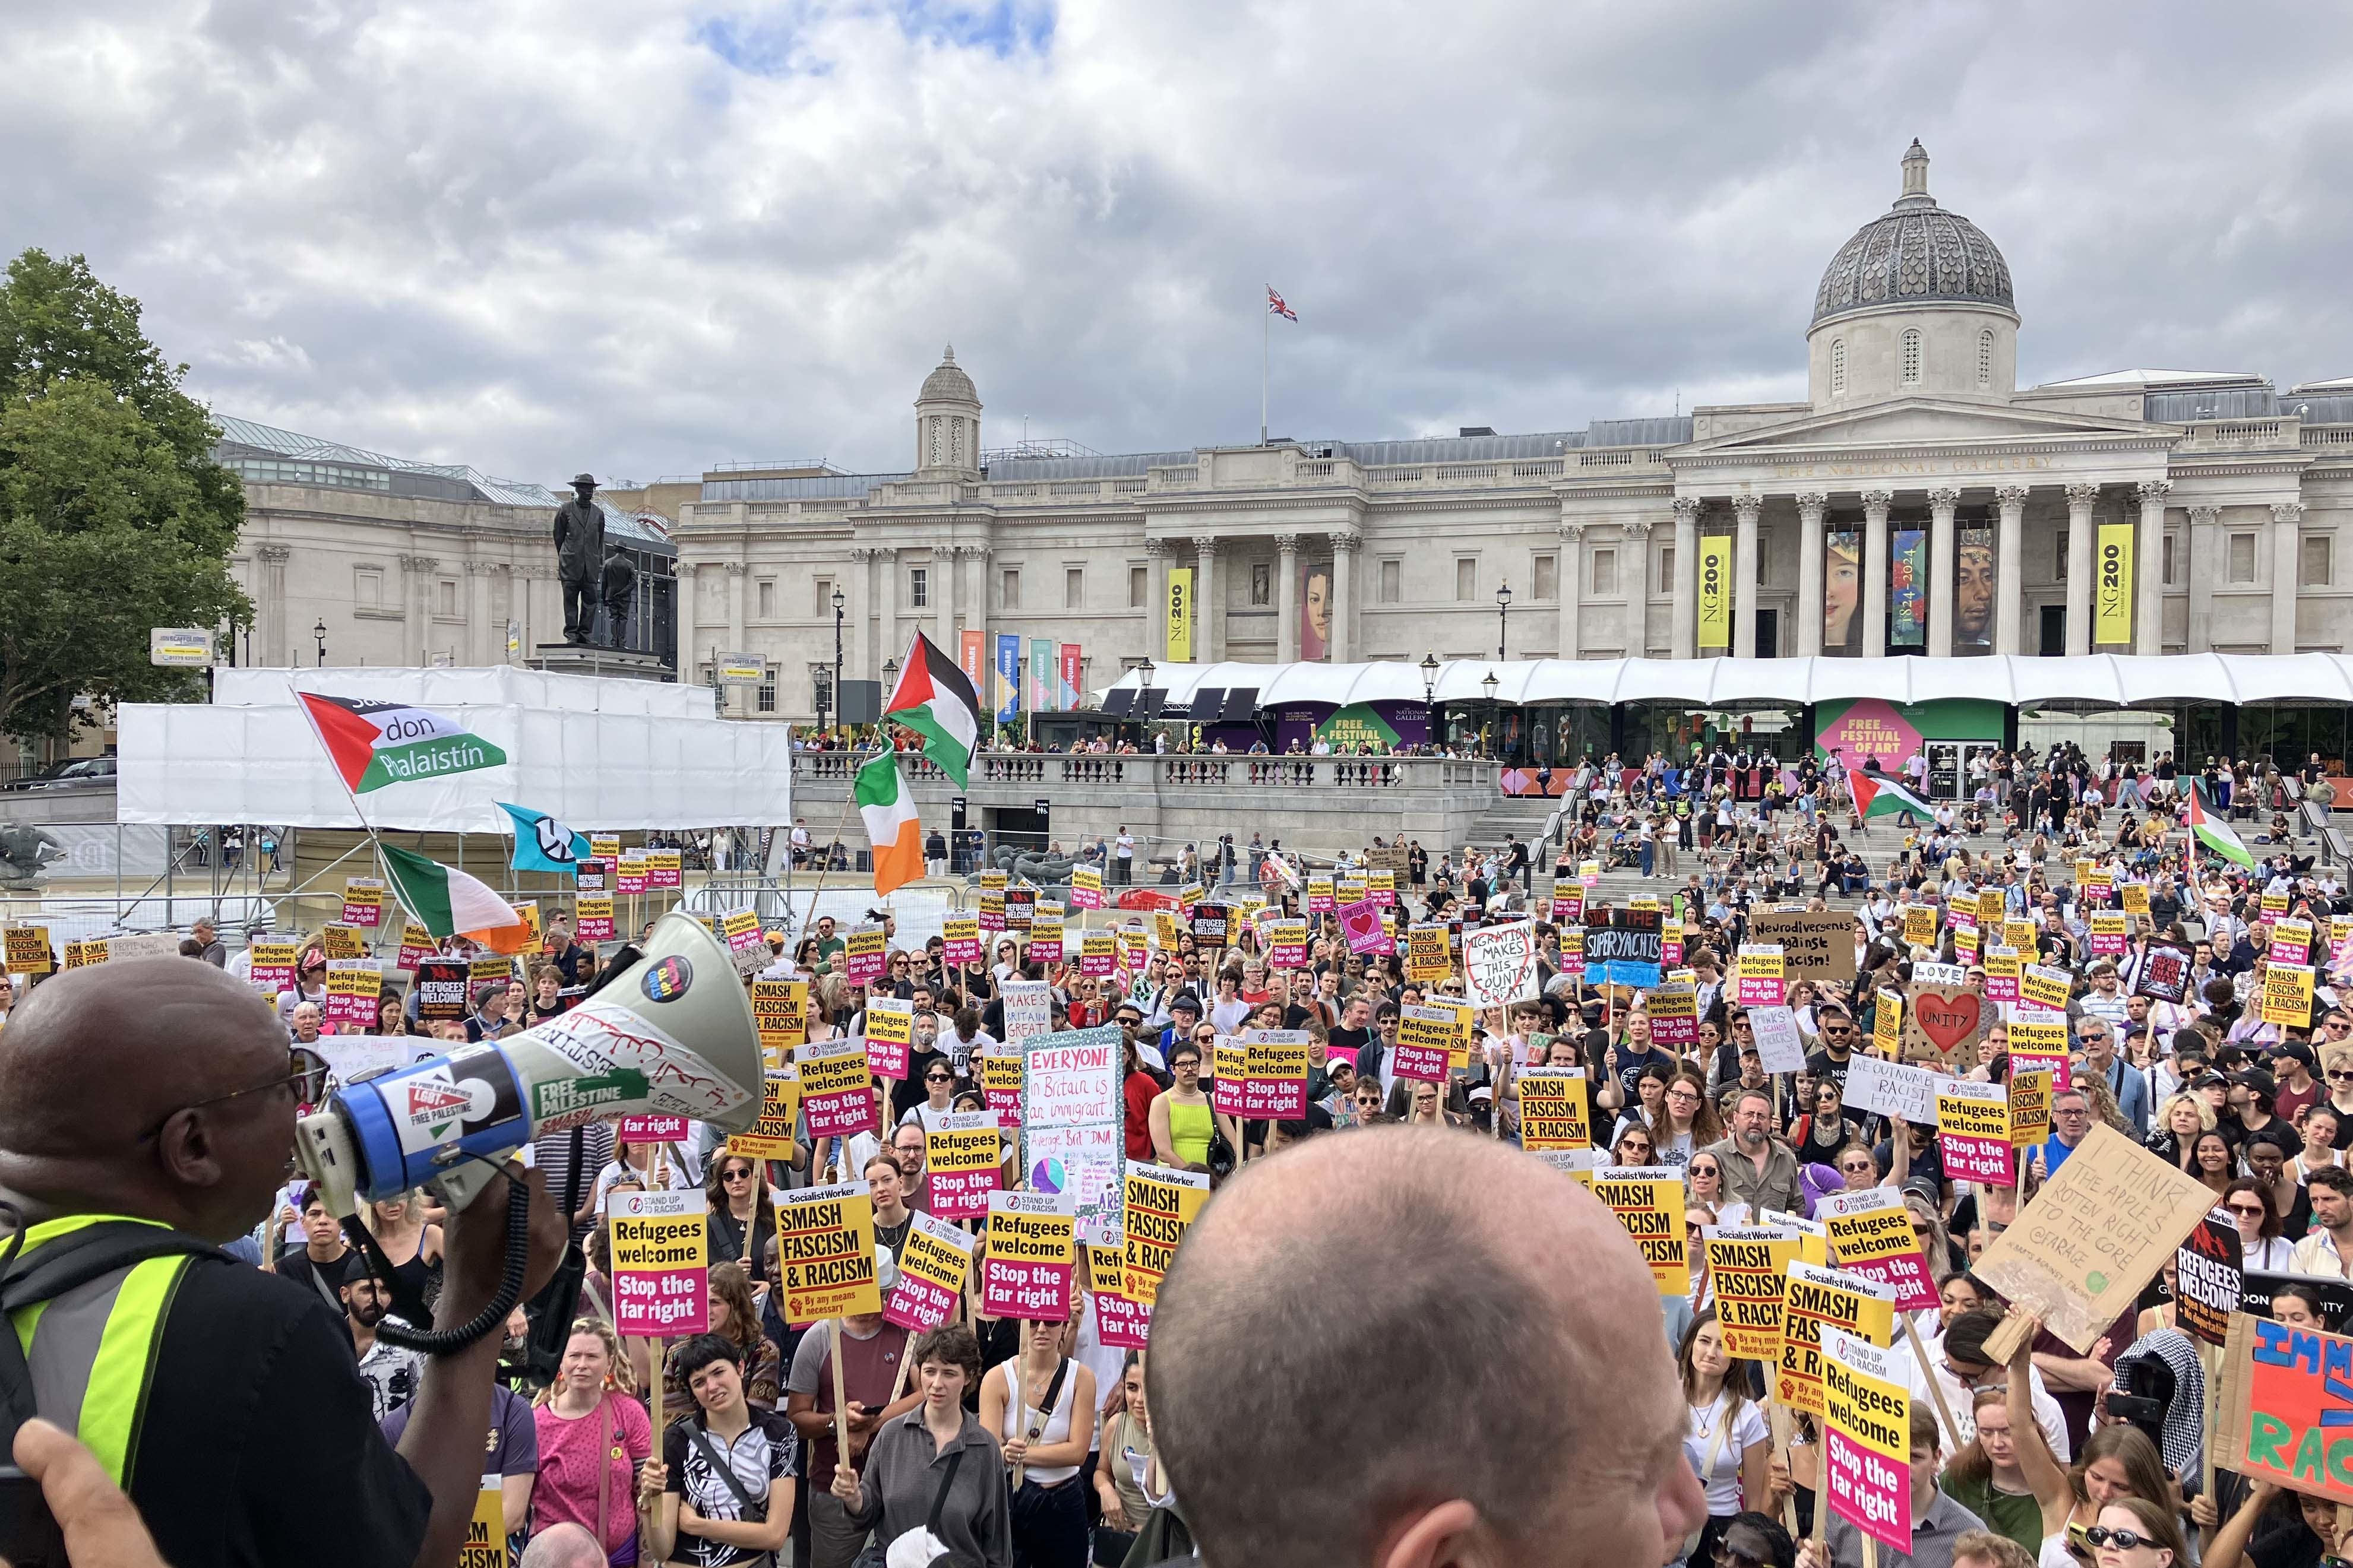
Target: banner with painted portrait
[(1842, 593), (1974, 590), (1316, 607)]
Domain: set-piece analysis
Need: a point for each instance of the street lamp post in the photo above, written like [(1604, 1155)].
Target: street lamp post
[(319, 632), (889, 678), (1430, 698), (840, 602), (1144, 674), (1494, 712), (1503, 618)]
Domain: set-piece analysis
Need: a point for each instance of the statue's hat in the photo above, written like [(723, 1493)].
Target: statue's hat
[(584, 479)]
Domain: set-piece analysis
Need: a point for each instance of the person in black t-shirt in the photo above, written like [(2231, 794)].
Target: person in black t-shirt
[(318, 1265), (1839, 1039)]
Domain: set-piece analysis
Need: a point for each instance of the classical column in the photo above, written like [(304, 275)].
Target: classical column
[(478, 612), (503, 572), (1813, 506), (2148, 573), (2286, 516), (1569, 641), (1344, 596), (418, 600), (1744, 574), (1874, 571), (1634, 582), (689, 655), (2081, 499), (1944, 568), (886, 610), (2202, 534), (1155, 608), (1286, 597), (1208, 609), (1684, 618), (272, 608), (736, 697), (2010, 570), (946, 566)]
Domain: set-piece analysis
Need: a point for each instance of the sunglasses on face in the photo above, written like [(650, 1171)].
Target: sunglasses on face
[(2122, 1540), (735, 1175), (938, 1078)]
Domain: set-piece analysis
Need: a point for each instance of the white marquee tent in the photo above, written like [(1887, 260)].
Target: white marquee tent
[(599, 755), (2086, 682)]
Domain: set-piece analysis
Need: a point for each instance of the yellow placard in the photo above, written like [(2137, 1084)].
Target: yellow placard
[(494, 967), (999, 1074), (1161, 1205), (604, 846), (340, 940), (1649, 1202), (1816, 1295), (888, 1023), (2287, 995), (780, 1009), (771, 1137), (2039, 986), (362, 895), (2135, 896), (1920, 925), (1748, 1267), (953, 1150), (2031, 1037), (1425, 954), (1715, 592), (2112, 586), (1992, 907), (2019, 934), (2030, 1102), (83, 955), (1554, 1113), (486, 1532), (1887, 1026), (825, 1247), (1177, 617)]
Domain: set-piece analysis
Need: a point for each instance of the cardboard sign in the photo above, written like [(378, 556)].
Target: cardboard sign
[(1499, 964), (1892, 1089), (825, 1250), (889, 1034), (838, 1089), (2280, 1407), (1030, 1255), (1816, 1299), (1029, 1008), (2039, 986), (771, 1137), (2096, 1233), (354, 984), (965, 1157), (1625, 951), (1973, 1131), (1867, 1439), (1815, 945), (1747, 1266), (1649, 1202), (1762, 983), (1554, 1110), (1425, 1044), (1675, 1017), (1073, 1122), (1871, 1235), (2029, 1104), (933, 1262), (2287, 995), (780, 1011), (661, 1266), (1427, 956), (1779, 1047), (2207, 1272), (363, 901), (665, 869), (865, 954), (1161, 1205), (1943, 1025)]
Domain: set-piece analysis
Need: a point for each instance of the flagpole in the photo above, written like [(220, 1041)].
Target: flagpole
[(1265, 341)]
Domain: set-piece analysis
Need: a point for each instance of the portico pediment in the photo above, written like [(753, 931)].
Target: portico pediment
[(1924, 421)]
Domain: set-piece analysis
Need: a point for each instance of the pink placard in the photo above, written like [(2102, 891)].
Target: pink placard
[(840, 1115), (1868, 1491), (668, 1303), (1422, 1063), (2062, 1068), (1977, 1160), (649, 1129), (1274, 1100), (1122, 1324), (1360, 922), (1339, 1053), (1905, 1273), (960, 950), (1097, 963), (864, 968), (917, 1304), (886, 1059), (1229, 1096), (1762, 991), (1871, 729), (1048, 948), (962, 1195), (1010, 1288)]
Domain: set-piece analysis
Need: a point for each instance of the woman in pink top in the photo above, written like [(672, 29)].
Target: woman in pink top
[(592, 1436)]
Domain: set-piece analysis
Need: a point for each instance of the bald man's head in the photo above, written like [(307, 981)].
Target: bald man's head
[(98, 1070), (1369, 1327)]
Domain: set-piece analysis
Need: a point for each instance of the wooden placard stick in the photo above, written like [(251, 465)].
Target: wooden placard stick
[(1920, 1355), (840, 1399)]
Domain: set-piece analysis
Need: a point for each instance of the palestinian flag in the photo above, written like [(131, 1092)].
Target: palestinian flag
[(888, 807), (934, 700), (1876, 794), (450, 903), (2214, 833), (377, 743)]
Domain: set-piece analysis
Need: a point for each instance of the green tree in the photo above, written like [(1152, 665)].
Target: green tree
[(114, 518)]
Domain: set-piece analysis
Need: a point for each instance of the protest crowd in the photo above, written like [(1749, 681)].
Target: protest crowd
[(1826, 1114)]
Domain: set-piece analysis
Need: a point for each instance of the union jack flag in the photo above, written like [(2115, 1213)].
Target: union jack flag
[(1276, 307)]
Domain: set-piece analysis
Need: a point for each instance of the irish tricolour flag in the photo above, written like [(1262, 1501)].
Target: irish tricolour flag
[(1876, 794), (449, 902), (934, 700), (888, 807), (378, 743), (2215, 833)]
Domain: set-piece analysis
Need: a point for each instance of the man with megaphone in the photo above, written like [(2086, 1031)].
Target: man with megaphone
[(147, 1111)]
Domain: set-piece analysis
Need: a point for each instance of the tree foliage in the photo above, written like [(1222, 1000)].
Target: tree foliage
[(114, 518)]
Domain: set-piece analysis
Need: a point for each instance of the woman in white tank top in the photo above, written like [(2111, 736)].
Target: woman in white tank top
[(1046, 1442)]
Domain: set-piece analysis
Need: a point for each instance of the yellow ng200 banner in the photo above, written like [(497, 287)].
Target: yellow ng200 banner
[(1176, 645), (2112, 586), (1715, 592)]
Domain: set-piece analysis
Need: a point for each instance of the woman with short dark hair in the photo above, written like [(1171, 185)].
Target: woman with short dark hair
[(935, 1469)]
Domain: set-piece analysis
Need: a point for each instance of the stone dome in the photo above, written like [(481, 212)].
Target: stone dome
[(1917, 253), (948, 383)]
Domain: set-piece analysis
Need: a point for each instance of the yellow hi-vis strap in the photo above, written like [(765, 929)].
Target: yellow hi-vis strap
[(115, 1397)]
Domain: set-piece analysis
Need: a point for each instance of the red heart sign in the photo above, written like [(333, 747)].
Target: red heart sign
[(1949, 1018), (1361, 922)]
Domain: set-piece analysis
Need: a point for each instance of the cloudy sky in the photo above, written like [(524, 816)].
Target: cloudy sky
[(647, 235)]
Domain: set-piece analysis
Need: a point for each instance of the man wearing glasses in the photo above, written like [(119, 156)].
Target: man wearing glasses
[(2098, 1040), (194, 1134), (2071, 1124)]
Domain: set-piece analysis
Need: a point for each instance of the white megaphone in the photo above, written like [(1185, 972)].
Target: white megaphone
[(672, 1035)]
